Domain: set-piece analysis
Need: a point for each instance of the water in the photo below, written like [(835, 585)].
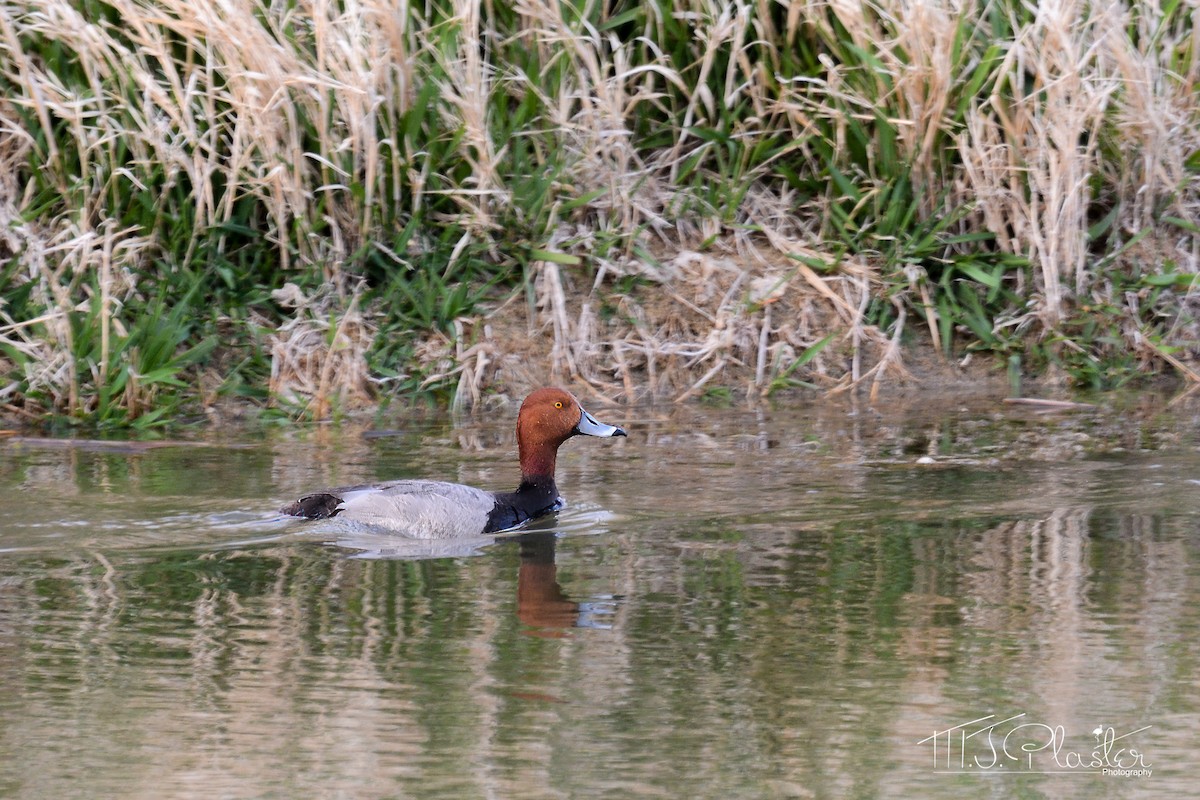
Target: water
[(735, 605)]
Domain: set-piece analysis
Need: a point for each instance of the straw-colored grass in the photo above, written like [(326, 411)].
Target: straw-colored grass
[(648, 199)]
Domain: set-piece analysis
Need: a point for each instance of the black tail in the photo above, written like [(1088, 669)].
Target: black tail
[(314, 506)]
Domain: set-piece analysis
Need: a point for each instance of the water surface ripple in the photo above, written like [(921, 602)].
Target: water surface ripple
[(785, 603)]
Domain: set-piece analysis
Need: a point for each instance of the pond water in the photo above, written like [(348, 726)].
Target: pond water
[(818, 601)]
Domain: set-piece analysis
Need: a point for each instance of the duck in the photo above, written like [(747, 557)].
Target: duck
[(428, 509)]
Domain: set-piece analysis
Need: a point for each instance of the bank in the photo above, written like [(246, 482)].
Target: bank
[(315, 210)]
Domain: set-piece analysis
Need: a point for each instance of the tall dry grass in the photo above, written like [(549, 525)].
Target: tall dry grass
[(714, 194)]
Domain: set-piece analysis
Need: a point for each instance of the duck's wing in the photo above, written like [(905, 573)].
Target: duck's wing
[(423, 509)]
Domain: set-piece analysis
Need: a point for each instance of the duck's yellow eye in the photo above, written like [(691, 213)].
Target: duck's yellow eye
[(558, 404)]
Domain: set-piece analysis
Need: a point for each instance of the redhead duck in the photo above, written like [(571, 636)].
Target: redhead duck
[(437, 510)]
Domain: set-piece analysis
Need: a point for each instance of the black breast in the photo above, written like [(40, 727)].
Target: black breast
[(532, 499)]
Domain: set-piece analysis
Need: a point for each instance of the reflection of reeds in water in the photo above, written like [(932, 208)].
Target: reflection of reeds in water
[(803, 656), (1064, 634), (357, 674), (805, 646)]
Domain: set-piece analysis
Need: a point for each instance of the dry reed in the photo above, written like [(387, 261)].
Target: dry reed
[(706, 265)]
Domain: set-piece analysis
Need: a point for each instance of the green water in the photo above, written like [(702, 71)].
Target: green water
[(735, 605)]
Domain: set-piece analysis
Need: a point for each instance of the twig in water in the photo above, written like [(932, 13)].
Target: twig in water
[(1063, 405)]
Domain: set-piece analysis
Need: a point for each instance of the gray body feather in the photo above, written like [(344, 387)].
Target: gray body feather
[(421, 509)]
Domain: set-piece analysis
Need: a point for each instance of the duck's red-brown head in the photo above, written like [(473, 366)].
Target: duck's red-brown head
[(549, 417)]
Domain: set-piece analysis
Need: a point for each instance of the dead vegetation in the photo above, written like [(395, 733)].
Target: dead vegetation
[(318, 357), (693, 321), (720, 196)]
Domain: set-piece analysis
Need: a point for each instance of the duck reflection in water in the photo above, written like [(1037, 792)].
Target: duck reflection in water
[(542, 606), (541, 603)]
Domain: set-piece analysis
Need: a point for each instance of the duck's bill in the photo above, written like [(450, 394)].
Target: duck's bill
[(589, 426)]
